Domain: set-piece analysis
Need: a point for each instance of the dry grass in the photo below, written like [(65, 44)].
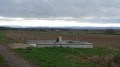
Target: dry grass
[(104, 61)]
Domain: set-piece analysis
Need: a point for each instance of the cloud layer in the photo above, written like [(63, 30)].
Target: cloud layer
[(60, 8), (95, 13), (64, 22)]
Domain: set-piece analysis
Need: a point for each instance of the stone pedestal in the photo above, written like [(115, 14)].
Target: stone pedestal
[(60, 39)]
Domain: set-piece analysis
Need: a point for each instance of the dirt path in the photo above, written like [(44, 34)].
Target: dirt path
[(13, 60)]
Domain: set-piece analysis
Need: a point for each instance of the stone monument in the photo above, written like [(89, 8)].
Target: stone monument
[(59, 39)]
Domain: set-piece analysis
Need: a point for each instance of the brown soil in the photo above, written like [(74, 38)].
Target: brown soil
[(106, 41), (18, 45)]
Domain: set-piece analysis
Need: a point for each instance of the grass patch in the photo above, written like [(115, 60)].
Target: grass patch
[(63, 57), (3, 62), (2, 37), (118, 33)]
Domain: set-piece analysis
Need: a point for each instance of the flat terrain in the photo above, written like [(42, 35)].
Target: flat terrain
[(108, 56), (10, 57), (106, 41), (69, 57)]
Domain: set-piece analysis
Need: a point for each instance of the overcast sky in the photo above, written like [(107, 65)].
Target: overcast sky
[(96, 13)]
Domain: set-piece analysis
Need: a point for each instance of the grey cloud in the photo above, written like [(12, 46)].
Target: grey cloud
[(60, 8)]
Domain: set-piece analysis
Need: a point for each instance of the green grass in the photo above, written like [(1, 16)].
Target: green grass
[(3, 62), (63, 57), (118, 33), (3, 39)]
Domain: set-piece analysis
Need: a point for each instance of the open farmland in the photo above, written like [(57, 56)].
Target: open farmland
[(67, 57), (106, 41)]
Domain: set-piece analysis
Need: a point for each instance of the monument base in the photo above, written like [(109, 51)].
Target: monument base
[(65, 43)]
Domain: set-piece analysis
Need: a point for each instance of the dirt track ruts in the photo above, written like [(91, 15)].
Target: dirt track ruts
[(13, 60)]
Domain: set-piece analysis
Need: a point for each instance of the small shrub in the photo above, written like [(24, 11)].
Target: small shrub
[(116, 59), (29, 48), (114, 62)]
